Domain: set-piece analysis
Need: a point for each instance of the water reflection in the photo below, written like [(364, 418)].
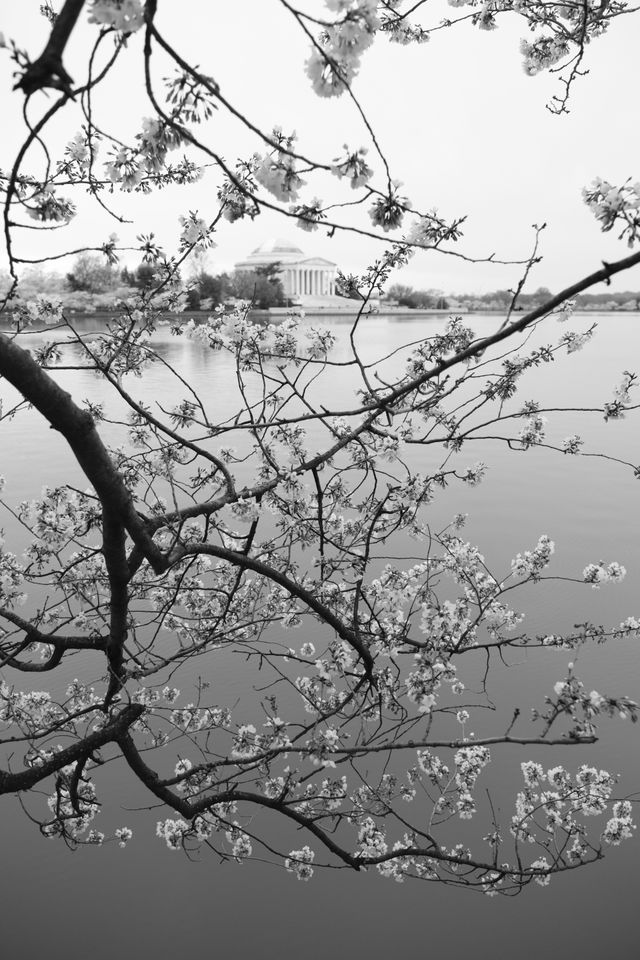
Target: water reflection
[(590, 508)]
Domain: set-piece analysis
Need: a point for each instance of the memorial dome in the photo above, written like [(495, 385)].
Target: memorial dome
[(278, 246), (274, 251)]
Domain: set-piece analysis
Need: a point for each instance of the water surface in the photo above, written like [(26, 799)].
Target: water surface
[(147, 902)]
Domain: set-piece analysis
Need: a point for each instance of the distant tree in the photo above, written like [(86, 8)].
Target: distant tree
[(440, 302), (36, 281), (142, 277), (216, 289), (502, 297), (270, 271), (146, 276), (541, 295), (417, 299), (193, 299), (92, 274), (402, 293), (260, 287), (128, 278)]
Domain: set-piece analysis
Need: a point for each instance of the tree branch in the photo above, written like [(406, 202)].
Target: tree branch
[(15, 782), (47, 70)]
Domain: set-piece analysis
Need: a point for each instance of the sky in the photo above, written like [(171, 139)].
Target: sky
[(463, 127)]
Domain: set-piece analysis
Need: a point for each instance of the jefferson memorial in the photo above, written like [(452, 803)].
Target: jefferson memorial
[(308, 280)]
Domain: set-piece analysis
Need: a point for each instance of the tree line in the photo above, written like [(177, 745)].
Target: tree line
[(407, 296), (93, 283)]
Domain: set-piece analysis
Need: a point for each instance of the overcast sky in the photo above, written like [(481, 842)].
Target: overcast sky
[(462, 125)]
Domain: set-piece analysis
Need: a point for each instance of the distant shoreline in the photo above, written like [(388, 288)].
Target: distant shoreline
[(280, 313)]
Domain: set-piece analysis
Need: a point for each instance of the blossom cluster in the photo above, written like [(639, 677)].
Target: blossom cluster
[(45, 205), (531, 563), (235, 194), (616, 408), (74, 805), (172, 832), (553, 799), (576, 341), (195, 233), (127, 16), (598, 573), (309, 215), (133, 168), (11, 578), (353, 166), (276, 171), (34, 711), (299, 863), (41, 310), (615, 206), (532, 433), (455, 338), (77, 150), (582, 707), (469, 762), (387, 210), (542, 53), (572, 444), (335, 57)]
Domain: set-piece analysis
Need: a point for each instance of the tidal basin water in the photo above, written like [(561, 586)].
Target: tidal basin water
[(147, 902)]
